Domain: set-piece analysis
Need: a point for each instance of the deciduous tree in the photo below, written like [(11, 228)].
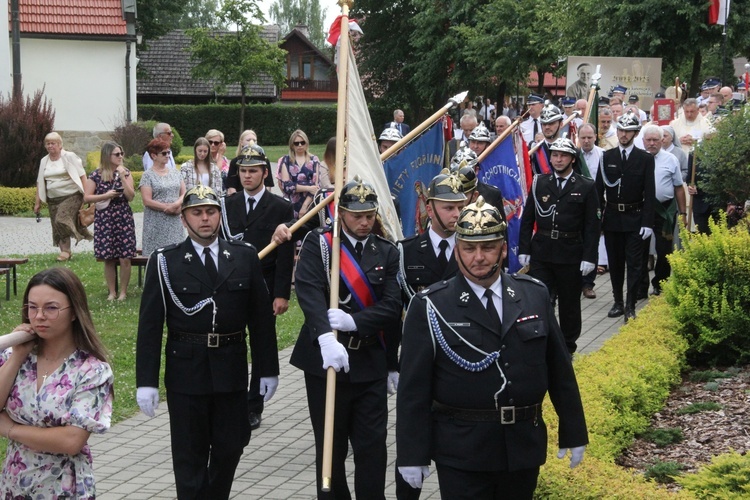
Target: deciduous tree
[(290, 13)]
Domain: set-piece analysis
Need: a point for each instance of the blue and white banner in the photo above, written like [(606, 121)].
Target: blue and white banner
[(500, 169), (409, 174)]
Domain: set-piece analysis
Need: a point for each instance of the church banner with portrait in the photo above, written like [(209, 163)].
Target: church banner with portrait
[(640, 75)]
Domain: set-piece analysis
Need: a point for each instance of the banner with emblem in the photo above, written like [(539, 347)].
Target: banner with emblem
[(500, 169), (410, 172)]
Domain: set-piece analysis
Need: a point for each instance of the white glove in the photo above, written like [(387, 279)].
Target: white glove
[(524, 259), (334, 353), (576, 454), (646, 232), (587, 267), (415, 475), (268, 386), (148, 400), (392, 382), (341, 321)]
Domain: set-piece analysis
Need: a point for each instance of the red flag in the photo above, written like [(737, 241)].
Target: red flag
[(718, 10)]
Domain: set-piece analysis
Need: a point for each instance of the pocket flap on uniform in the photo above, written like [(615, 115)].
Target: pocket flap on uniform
[(530, 330), (234, 284)]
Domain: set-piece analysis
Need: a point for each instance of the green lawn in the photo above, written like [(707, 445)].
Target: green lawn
[(117, 322)]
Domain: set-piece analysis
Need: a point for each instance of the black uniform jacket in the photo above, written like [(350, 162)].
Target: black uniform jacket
[(577, 211), (637, 187), (491, 195), (421, 263), (533, 358), (258, 229), (241, 298), (380, 264)]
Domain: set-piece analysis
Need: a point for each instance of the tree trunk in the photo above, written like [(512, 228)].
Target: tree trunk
[(242, 108), (540, 81), (695, 76)]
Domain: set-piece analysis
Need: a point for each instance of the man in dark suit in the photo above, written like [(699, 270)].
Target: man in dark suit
[(208, 312), (626, 191), (398, 123), (254, 213), (366, 345), (551, 119), (472, 384), (564, 208)]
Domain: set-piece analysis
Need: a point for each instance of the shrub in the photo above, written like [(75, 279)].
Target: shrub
[(727, 476), (133, 138), (663, 437), (23, 125), (694, 408), (708, 375), (622, 385), (664, 472), (134, 163), (273, 123), (725, 160), (709, 292), (16, 200)]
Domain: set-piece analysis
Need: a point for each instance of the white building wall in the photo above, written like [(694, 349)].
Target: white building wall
[(84, 80)]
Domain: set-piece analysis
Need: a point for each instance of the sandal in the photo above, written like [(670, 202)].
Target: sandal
[(601, 269), (64, 256)]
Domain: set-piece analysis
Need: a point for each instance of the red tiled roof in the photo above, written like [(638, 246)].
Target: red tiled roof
[(71, 17)]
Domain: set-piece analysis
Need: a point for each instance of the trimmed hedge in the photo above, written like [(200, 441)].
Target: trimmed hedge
[(16, 200), (622, 385), (727, 476), (273, 123)]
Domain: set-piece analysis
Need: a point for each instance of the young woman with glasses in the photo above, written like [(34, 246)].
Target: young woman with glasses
[(55, 390), (298, 173), (162, 189), (218, 147), (111, 188)]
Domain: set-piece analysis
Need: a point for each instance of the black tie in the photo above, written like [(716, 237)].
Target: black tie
[(208, 261), (624, 157), (536, 129), (491, 310), (560, 181), (250, 203), (358, 249), (443, 255)]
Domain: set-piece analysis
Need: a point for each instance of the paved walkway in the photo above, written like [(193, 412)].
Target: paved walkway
[(133, 460)]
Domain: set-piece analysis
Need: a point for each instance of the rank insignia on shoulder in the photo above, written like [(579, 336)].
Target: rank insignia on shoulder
[(464, 297), (510, 291), (527, 318)]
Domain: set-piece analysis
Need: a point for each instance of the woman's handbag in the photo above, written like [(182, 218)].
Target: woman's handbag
[(86, 215)]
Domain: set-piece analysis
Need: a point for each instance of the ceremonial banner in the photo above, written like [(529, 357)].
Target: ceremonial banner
[(409, 174), (500, 169), (362, 156)]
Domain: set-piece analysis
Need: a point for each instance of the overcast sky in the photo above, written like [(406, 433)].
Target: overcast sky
[(330, 7)]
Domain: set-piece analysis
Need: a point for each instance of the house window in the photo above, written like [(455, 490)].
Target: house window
[(307, 67)]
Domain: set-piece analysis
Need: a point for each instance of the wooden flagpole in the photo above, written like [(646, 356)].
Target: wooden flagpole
[(500, 138), (453, 101), (15, 338), (567, 120), (341, 119)]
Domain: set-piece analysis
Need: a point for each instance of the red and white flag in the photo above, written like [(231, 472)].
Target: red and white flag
[(718, 11)]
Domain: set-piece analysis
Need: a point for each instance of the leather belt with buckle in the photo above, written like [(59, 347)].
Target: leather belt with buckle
[(625, 207), (506, 415), (354, 342), (208, 339), (556, 235)]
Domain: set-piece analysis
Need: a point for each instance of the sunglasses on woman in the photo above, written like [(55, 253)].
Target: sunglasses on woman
[(214, 143), (118, 154), (299, 143), (164, 153)]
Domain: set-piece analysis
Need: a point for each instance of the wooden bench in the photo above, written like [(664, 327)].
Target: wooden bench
[(138, 261), (8, 267)]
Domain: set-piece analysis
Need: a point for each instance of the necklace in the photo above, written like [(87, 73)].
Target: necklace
[(48, 361)]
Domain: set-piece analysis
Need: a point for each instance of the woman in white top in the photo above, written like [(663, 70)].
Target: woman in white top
[(201, 170)]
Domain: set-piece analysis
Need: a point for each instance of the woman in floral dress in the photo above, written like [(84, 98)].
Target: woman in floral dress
[(162, 189), (298, 173), (56, 390), (110, 187)]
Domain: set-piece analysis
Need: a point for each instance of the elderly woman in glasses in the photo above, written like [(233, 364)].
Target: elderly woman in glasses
[(111, 188), (162, 189), (56, 389), (60, 185), (298, 173)]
